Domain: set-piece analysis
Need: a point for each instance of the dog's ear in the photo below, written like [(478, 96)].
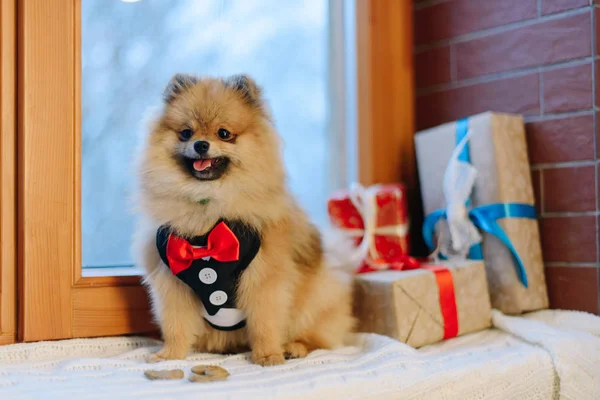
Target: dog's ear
[(177, 85), (246, 87)]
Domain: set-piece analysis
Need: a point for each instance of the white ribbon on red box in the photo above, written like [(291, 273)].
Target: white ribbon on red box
[(365, 202)]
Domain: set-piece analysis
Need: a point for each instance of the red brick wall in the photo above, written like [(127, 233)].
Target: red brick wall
[(536, 58)]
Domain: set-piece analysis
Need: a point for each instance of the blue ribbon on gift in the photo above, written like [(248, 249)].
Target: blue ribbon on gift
[(483, 217)]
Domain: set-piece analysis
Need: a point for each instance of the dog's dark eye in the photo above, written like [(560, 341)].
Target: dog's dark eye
[(224, 134), (186, 134)]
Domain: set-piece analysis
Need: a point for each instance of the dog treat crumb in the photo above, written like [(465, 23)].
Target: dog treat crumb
[(164, 374), (208, 373)]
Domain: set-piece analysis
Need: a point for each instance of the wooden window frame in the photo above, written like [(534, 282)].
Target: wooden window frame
[(386, 94), (8, 297), (386, 101), (55, 301)]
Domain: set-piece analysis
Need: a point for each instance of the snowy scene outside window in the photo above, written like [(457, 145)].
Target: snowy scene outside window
[(129, 52)]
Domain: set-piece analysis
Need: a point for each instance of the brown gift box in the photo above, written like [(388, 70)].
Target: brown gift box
[(405, 305), (499, 153)]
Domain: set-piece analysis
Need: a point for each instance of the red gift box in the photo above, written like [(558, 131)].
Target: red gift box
[(377, 218)]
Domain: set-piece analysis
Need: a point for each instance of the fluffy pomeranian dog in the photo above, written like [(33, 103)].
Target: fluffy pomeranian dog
[(232, 262)]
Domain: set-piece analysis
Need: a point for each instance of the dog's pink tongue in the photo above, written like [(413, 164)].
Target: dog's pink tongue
[(201, 165)]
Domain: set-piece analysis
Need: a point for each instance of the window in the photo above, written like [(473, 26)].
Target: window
[(58, 140), (131, 49)]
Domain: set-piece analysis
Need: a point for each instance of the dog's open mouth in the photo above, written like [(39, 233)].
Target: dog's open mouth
[(206, 168)]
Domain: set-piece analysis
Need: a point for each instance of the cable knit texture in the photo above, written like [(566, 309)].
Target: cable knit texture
[(544, 355)]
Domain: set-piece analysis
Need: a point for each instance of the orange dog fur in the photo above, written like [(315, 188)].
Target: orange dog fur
[(293, 302)]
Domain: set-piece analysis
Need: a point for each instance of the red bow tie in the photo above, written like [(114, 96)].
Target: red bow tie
[(222, 245)]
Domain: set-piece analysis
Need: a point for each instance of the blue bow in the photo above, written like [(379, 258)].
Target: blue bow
[(483, 217)]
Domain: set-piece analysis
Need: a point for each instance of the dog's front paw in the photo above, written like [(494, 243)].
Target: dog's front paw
[(267, 360), (163, 355), (296, 350), (154, 358)]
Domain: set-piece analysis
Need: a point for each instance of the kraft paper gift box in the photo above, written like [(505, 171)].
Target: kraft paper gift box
[(502, 188), (421, 306)]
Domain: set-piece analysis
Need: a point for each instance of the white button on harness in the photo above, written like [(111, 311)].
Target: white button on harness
[(207, 276), (218, 298)]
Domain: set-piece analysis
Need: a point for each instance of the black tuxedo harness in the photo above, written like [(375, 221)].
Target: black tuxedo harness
[(212, 265)]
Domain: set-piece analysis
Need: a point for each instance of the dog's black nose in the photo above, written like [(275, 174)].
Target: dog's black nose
[(201, 147)]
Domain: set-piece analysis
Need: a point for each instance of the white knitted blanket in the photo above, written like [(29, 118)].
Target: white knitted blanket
[(544, 355)]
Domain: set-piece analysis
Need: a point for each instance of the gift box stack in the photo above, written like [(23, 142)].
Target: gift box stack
[(397, 295), (480, 220)]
